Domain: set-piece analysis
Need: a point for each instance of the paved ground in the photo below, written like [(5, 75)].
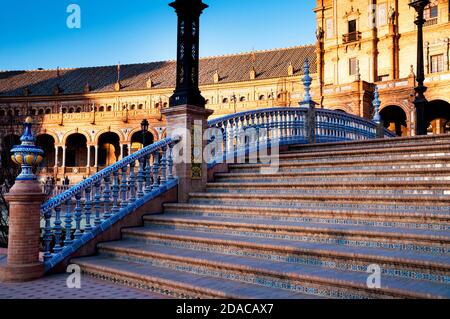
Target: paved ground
[(54, 287)]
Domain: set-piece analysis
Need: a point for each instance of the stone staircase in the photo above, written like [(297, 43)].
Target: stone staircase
[(308, 231)]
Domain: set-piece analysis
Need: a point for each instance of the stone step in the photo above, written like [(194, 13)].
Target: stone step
[(405, 152), (397, 141), (175, 283), (304, 279), (333, 188), (351, 217), (352, 146), (358, 164), (393, 263), (438, 173), (419, 240), (419, 203)]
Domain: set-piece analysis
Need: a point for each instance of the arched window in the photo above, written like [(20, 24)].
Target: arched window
[(48, 111), (41, 112), (262, 97), (140, 106), (109, 108), (71, 110), (33, 112), (165, 104), (78, 110), (17, 112), (63, 110), (242, 99), (225, 100), (2, 112), (133, 107), (10, 113), (157, 105), (101, 109)]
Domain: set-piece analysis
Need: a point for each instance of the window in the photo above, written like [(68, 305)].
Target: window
[(140, 106), (352, 26), (71, 110), (41, 112), (133, 107), (431, 11), (78, 110), (48, 111), (101, 109), (329, 28), (437, 63), (262, 97), (225, 100), (109, 108), (384, 77), (242, 99), (353, 66)]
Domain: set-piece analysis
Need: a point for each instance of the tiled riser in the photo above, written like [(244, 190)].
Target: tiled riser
[(357, 264), (316, 237), (144, 285), (306, 288), (385, 222), (355, 190), (364, 158), (333, 205), (354, 167), (263, 179)]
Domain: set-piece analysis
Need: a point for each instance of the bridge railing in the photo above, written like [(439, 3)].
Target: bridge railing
[(300, 125), (80, 213)]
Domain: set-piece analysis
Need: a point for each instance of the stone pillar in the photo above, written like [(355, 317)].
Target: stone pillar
[(88, 161), (121, 151), (23, 264), (129, 149), (24, 199), (96, 156), (64, 156), (191, 169), (56, 155)]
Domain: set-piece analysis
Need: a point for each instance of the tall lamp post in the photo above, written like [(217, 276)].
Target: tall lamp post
[(420, 101), (144, 128)]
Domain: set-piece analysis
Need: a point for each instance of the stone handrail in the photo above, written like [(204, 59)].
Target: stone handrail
[(96, 203)]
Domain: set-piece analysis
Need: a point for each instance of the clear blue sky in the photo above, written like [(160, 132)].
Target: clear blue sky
[(33, 33)]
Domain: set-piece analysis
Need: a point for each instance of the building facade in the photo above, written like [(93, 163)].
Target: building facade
[(366, 42), (88, 118)]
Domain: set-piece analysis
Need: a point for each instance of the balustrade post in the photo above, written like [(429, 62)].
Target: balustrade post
[(189, 122), (25, 199)]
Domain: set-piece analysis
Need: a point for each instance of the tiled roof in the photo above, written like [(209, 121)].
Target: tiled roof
[(231, 68)]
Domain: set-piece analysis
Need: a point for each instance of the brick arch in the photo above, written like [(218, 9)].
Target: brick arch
[(112, 130), (339, 107), (52, 134), (138, 129), (67, 134), (438, 98), (405, 109)]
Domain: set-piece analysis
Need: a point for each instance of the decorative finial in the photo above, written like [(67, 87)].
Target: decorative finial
[(290, 69), (307, 80), (252, 73), (118, 86), (27, 155), (376, 106), (358, 71), (149, 83), (411, 71), (216, 77)]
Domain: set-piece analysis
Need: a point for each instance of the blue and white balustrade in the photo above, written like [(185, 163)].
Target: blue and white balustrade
[(79, 214)]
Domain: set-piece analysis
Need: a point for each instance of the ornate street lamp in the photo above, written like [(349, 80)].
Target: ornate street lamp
[(187, 91), (420, 101), (144, 128)]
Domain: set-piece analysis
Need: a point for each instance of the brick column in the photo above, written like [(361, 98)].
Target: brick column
[(25, 199), (190, 168), (23, 264)]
